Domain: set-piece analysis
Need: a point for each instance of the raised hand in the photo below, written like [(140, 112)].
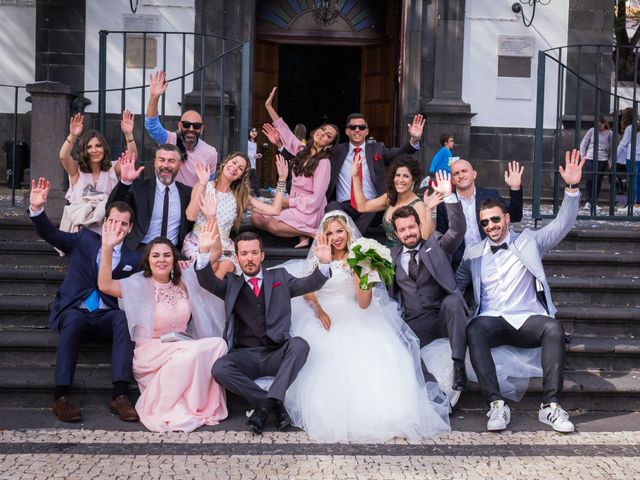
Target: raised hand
[(126, 124), (76, 125), (355, 166), (209, 238), (433, 200), (282, 167), (272, 134), (513, 175), (443, 186), (112, 235), (572, 171), (39, 193), (184, 264), (322, 249), (209, 204), (416, 128), (128, 172), (203, 172), (269, 102), (158, 83)]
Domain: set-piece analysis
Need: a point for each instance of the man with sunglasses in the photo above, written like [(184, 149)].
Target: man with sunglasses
[(340, 194), (187, 138), (513, 300)]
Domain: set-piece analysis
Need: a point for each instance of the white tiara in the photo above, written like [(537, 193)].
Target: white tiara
[(335, 213)]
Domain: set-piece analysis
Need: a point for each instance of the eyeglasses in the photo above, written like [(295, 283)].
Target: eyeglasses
[(362, 128), (495, 219), (187, 125)]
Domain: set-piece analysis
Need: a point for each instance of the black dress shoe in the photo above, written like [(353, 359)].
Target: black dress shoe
[(459, 378), (257, 420), (283, 421)]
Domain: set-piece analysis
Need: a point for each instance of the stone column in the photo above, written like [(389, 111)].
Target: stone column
[(50, 112), (446, 111)]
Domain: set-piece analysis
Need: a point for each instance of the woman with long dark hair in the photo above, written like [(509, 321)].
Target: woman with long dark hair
[(92, 174), (311, 172), (402, 179)]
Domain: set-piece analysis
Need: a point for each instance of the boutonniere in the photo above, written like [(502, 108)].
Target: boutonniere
[(277, 284), (377, 157)]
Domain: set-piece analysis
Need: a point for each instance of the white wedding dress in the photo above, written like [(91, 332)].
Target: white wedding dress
[(362, 380)]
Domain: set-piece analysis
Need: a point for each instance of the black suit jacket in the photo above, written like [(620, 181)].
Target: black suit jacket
[(514, 208), (377, 157), (141, 195), (82, 277), (279, 287)]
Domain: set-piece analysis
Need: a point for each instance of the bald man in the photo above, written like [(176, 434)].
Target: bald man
[(463, 177), (187, 138)]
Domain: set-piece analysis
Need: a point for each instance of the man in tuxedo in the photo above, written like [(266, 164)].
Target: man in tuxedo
[(80, 312), (513, 300), (258, 320), (159, 202), (463, 177), (340, 194), (424, 282)]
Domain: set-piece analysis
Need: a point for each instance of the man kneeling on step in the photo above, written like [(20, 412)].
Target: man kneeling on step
[(513, 300)]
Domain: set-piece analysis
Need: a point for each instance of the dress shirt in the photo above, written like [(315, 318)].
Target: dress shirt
[(203, 259), (406, 256), (115, 260), (343, 188), (472, 233), (508, 288), (173, 225)]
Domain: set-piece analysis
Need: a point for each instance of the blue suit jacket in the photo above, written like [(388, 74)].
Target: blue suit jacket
[(82, 276)]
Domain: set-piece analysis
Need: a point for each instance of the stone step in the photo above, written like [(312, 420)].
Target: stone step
[(30, 253), (25, 310), (615, 239), (587, 264), (595, 320), (596, 291)]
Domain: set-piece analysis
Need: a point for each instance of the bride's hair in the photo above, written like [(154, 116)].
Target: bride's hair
[(239, 187), (340, 218)]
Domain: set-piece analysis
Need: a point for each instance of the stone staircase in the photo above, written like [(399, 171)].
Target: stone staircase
[(594, 275)]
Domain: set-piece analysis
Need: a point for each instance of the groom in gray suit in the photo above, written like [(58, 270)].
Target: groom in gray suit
[(258, 320), (424, 283), (513, 300)]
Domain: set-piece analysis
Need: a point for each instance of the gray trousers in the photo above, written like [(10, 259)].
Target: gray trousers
[(484, 333), (237, 370), (449, 320)]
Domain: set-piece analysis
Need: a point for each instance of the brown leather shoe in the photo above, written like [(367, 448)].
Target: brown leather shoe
[(65, 410), (123, 407)]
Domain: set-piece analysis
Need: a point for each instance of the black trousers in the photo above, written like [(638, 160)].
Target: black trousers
[(484, 333), (597, 175), (363, 220), (237, 370)]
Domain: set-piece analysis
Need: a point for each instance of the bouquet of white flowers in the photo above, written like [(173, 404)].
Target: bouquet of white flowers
[(371, 262)]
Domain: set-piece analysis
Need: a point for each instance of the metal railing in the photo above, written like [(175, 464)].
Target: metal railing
[(586, 82), (12, 168), (207, 60)]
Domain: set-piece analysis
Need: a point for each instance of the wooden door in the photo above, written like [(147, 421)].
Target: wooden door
[(377, 90), (265, 77)]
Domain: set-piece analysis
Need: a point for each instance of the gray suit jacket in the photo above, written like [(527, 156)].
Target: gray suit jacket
[(529, 246), (435, 253), (279, 287)]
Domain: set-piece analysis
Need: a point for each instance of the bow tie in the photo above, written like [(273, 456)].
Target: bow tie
[(502, 246)]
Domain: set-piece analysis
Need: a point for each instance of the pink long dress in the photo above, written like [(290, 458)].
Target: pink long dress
[(308, 194), (177, 391)]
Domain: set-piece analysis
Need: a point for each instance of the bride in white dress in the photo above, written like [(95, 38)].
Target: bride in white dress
[(362, 380)]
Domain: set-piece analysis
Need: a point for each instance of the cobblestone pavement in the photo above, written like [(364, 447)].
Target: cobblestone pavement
[(84, 454)]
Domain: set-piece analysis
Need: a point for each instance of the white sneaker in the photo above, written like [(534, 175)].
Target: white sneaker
[(554, 415), (587, 206), (499, 416)]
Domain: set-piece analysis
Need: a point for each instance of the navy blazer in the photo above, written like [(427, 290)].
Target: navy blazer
[(377, 156), (82, 276), (141, 196), (514, 208)]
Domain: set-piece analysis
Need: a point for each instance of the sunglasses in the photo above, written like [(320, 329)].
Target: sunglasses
[(362, 128), (187, 125), (495, 219)]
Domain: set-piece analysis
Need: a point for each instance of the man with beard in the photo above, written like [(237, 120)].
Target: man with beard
[(424, 283), (159, 202), (258, 320), (187, 138)]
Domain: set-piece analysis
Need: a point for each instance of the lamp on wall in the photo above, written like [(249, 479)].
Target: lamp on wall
[(517, 9), (325, 12)]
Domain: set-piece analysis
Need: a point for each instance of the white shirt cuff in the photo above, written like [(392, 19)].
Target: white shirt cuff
[(202, 260), (325, 269), (451, 198), (415, 145), (572, 194), (124, 182), (35, 213)]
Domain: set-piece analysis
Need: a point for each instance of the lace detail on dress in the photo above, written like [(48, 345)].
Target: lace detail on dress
[(169, 295)]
